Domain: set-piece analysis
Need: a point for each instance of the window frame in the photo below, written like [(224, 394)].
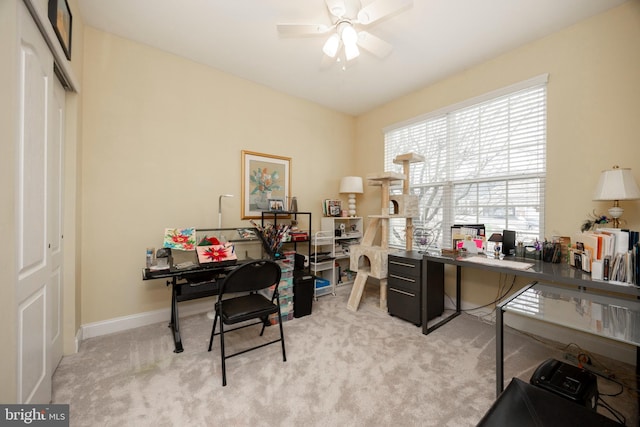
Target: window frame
[(448, 185)]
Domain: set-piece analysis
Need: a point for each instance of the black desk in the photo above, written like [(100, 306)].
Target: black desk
[(555, 275), (189, 284), (203, 281)]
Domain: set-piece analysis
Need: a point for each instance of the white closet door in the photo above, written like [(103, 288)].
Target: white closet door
[(33, 252)]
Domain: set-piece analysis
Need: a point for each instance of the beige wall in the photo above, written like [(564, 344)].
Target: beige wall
[(72, 185), (8, 134), (593, 118), (162, 139)]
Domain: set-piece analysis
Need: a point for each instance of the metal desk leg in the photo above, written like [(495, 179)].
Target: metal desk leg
[(434, 273), (500, 337), (175, 321), (499, 352), (458, 289)]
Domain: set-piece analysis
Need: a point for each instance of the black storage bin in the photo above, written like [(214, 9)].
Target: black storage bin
[(302, 293)]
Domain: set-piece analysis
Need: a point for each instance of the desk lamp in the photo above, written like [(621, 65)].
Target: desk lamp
[(616, 184), (496, 238), (351, 185)]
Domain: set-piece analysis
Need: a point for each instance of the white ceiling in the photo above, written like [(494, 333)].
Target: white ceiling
[(431, 40)]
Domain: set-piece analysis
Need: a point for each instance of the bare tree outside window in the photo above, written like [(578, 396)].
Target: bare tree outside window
[(485, 163)]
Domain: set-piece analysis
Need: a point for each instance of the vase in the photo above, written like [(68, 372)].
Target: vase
[(262, 201)]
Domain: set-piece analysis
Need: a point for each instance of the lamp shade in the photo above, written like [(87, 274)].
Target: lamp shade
[(495, 237), (616, 184), (332, 45), (351, 184)]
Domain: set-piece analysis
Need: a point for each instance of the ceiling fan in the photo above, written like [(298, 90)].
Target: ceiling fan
[(348, 21)]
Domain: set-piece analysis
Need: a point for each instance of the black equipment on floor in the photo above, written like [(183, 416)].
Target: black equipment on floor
[(303, 284), (568, 381), (525, 405)]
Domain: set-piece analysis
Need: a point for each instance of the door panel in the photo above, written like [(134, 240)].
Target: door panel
[(35, 97), (34, 385), (55, 220)]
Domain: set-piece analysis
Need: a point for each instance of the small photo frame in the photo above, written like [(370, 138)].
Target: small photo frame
[(276, 205)]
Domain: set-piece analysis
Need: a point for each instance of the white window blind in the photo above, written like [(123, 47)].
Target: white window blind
[(485, 163)]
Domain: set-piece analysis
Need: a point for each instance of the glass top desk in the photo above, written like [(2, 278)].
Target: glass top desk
[(602, 315), (565, 282), (189, 280)]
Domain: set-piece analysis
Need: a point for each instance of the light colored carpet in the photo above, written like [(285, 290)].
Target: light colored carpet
[(343, 369)]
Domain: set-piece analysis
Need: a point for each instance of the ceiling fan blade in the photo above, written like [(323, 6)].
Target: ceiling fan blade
[(343, 8), (336, 8), (373, 44), (294, 30), (380, 9)]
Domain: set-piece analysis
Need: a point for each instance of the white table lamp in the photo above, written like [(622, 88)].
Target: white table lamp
[(616, 184), (351, 185)]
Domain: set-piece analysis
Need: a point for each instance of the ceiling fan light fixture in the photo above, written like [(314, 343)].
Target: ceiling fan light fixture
[(349, 35), (331, 46), (351, 51)]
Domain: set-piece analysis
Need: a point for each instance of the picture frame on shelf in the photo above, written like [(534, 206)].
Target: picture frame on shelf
[(61, 20), (276, 205), (332, 207), (265, 177)]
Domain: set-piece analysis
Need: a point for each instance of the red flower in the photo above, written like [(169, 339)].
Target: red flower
[(179, 238), (216, 253)]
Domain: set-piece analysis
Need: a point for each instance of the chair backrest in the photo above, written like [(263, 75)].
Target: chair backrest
[(252, 276)]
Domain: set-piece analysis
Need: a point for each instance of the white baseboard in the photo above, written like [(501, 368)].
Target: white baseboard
[(78, 339), (119, 324), (592, 343)]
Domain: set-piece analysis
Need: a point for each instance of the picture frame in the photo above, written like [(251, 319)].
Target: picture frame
[(61, 20), (276, 205), (264, 177)]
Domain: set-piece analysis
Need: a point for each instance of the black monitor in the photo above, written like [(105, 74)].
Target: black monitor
[(508, 242)]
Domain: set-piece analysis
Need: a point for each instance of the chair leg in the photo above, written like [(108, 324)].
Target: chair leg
[(213, 330), (284, 354), (224, 367), (265, 322)]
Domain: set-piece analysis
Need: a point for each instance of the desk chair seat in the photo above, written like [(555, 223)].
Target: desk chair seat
[(248, 279)]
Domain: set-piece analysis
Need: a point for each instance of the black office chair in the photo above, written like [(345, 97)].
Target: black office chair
[(248, 278)]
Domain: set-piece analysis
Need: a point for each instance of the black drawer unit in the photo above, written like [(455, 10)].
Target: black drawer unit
[(404, 279), (405, 284)]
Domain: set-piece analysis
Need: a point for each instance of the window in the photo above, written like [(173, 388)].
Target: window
[(485, 163)]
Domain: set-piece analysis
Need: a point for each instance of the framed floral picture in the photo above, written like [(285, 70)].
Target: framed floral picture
[(264, 177)]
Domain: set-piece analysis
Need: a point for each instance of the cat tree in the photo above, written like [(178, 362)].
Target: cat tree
[(402, 205)]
